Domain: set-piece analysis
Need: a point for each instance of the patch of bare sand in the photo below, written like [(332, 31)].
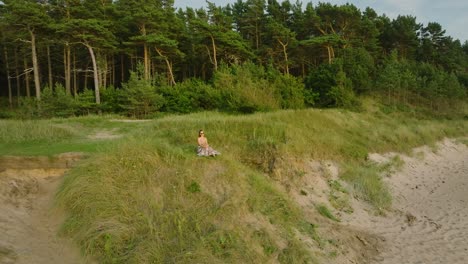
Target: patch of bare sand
[(131, 120), (429, 220), (308, 183), (28, 222), (105, 134)]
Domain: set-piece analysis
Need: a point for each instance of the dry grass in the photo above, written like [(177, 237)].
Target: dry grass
[(150, 199)]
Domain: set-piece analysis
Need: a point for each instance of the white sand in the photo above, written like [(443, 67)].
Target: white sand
[(428, 223)]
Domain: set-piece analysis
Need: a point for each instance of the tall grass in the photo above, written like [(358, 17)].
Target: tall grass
[(150, 199), (138, 204), (33, 130), (58, 135)]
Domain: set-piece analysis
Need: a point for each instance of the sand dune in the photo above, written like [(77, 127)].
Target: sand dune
[(28, 221), (428, 223)]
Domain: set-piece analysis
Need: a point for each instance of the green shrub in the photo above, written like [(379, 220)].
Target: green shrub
[(110, 100), (319, 82), (359, 66), (57, 102), (291, 91), (86, 102), (189, 96), (139, 97), (244, 88), (342, 94)]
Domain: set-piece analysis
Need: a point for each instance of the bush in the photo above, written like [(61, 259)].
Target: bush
[(291, 91), (190, 96), (244, 88), (359, 66), (343, 95), (110, 100), (86, 102), (138, 97), (319, 82), (328, 86), (56, 102)]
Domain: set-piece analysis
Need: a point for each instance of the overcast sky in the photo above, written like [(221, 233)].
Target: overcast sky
[(451, 14)]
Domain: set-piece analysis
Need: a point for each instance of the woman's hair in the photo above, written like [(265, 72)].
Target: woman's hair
[(200, 132)]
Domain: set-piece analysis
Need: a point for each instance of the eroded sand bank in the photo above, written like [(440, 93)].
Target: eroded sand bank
[(428, 223)]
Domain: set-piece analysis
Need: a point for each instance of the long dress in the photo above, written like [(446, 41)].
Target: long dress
[(208, 151)]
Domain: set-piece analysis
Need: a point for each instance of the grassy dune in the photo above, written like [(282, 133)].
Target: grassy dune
[(149, 199)]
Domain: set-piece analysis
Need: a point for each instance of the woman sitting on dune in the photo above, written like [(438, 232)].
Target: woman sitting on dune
[(203, 148)]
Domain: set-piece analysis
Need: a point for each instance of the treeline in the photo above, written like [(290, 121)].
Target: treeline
[(137, 57)]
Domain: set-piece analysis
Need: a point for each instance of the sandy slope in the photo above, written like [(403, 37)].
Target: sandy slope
[(429, 220), (28, 222)]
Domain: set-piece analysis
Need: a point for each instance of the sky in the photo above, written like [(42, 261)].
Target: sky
[(452, 15)]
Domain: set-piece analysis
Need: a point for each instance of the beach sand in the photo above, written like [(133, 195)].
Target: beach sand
[(428, 222)]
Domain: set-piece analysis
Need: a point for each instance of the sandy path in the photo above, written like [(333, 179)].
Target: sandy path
[(28, 224), (429, 220)]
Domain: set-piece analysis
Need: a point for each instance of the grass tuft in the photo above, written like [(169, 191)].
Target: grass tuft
[(324, 211)]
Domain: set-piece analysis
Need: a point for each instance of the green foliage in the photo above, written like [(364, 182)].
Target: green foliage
[(342, 94), (27, 108), (320, 81), (139, 97), (248, 88), (359, 67), (86, 103), (189, 96), (378, 55), (291, 90), (110, 100), (56, 102), (406, 86), (332, 87), (244, 88)]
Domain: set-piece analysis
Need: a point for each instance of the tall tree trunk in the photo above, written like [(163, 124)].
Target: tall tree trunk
[(95, 73), (86, 80), (105, 69), (18, 85), (37, 84), (68, 78), (75, 77), (67, 67), (122, 72), (7, 66), (49, 64), (329, 55), (215, 61), (26, 78), (146, 60), (285, 53), (169, 66), (257, 35), (113, 71), (303, 69)]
